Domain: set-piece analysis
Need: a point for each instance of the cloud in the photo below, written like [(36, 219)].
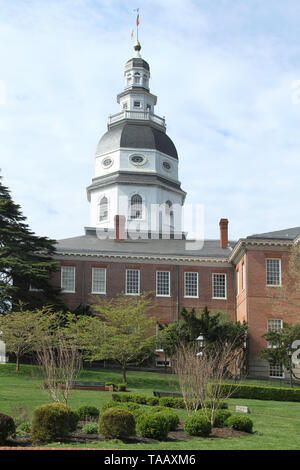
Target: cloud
[(223, 72)]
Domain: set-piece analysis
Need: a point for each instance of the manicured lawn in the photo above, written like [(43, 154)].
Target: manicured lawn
[(276, 424)]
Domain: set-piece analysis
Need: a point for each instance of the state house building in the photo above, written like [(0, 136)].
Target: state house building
[(136, 172)]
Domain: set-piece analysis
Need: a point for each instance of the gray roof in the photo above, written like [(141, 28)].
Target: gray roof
[(91, 244), (138, 136), (286, 234), (138, 62)]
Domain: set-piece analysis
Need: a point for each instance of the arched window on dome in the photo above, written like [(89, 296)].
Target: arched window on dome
[(137, 78), (170, 213), (136, 207), (103, 209)]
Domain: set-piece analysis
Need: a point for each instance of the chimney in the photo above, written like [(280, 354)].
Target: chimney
[(119, 228), (223, 233)]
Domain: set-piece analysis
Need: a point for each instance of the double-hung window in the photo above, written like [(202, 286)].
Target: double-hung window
[(191, 284), (219, 286), (132, 282), (68, 278), (163, 283), (98, 280), (273, 268)]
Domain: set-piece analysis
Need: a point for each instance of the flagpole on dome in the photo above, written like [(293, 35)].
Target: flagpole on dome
[(137, 46)]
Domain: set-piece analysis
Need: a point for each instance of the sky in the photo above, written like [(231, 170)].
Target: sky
[(227, 77)]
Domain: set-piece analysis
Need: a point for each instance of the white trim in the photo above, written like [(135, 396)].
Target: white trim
[(92, 290), (139, 282), (280, 279), (169, 283), (61, 278), (184, 285), (212, 277)]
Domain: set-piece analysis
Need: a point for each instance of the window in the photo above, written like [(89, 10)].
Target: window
[(273, 272), (163, 283), (125, 105), (276, 370), (68, 278), (190, 284), (136, 207), (243, 276), (103, 213), (274, 325), (132, 282), (159, 347), (219, 286), (137, 78), (237, 282), (137, 104), (98, 280)]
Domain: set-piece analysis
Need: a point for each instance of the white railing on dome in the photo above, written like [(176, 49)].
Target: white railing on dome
[(144, 115)]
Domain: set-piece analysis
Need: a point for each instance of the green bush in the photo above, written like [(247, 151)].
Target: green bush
[(52, 421), (90, 428), (139, 412), (257, 392), (172, 418), (110, 383), (87, 412), (152, 401), (117, 423), (197, 425), (172, 402), (158, 408), (23, 429), (126, 405), (240, 423), (220, 418), (222, 405), (121, 387), (141, 399), (122, 397), (7, 427), (153, 425)]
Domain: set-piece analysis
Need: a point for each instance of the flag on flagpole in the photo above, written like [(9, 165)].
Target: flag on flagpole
[(132, 34), (138, 19)]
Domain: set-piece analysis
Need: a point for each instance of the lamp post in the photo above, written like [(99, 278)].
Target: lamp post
[(290, 353), (200, 342)]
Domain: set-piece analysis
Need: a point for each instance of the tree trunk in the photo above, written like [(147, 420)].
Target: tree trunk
[(124, 373), (17, 364)]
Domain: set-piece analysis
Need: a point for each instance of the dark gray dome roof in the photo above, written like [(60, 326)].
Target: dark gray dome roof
[(136, 136), (138, 62)]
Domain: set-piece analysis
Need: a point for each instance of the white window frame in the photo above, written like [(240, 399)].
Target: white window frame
[(280, 280), (61, 279), (139, 283), (191, 296), (274, 330), (213, 290), (93, 272), (276, 376), (169, 286)]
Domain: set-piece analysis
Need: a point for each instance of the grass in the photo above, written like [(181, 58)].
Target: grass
[(276, 424)]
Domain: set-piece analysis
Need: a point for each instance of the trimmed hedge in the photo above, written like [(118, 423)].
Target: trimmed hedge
[(197, 425), (172, 402), (7, 427), (52, 421), (240, 423), (113, 404), (258, 392), (153, 425), (117, 423)]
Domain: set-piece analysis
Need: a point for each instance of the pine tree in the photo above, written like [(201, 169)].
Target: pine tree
[(26, 260)]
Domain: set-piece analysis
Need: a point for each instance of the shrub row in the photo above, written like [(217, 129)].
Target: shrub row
[(258, 392), (169, 402)]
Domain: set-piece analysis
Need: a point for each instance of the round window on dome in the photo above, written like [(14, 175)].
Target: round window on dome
[(107, 162), (138, 159), (167, 166)]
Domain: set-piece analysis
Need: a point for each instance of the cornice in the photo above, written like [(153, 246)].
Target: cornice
[(248, 242)]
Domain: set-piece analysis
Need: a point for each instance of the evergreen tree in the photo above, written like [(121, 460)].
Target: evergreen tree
[(26, 260)]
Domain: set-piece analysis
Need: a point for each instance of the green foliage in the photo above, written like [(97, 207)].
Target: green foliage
[(87, 412), (113, 404), (23, 429), (221, 405), (26, 259), (257, 392), (122, 397), (121, 387), (197, 425), (141, 399), (240, 423), (280, 341), (52, 421), (220, 418), (117, 423), (172, 402), (152, 401), (215, 327), (90, 428), (7, 427), (153, 425), (172, 418)]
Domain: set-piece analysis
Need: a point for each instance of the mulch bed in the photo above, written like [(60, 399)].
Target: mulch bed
[(82, 438)]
